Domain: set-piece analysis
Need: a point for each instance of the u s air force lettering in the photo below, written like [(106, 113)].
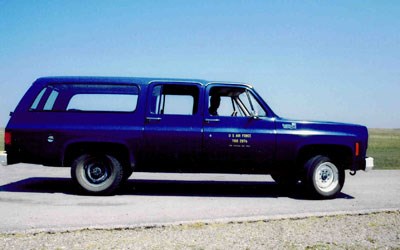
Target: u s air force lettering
[(239, 140)]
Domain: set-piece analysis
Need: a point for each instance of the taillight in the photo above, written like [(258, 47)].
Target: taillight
[(357, 149), (7, 138)]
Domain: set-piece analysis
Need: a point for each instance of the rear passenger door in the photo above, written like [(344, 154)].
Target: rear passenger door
[(173, 126)]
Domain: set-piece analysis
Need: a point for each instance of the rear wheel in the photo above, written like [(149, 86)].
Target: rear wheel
[(98, 174), (324, 179)]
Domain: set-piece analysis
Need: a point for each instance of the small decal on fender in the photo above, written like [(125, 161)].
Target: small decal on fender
[(290, 126)]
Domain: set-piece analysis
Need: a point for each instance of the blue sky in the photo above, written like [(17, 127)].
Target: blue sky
[(319, 60)]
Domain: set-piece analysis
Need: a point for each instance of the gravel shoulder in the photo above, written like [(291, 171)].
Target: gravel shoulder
[(379, 230)]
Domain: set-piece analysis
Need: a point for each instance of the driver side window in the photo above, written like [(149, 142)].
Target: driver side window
[(233, 101)]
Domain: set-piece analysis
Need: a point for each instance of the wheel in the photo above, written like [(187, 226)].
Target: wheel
[(97, 174), (324, 179)]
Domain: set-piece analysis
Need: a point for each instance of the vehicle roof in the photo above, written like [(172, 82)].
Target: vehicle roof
[(119, 80)]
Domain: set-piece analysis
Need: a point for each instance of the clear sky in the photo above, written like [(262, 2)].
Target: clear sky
[(320, 60)]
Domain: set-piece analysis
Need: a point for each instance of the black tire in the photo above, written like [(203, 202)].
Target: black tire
[(97, 174), (324, 179)]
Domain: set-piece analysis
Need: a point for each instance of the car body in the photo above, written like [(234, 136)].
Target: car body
[(105, 128)]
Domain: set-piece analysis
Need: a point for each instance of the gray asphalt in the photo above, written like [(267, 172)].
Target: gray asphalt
[(35, 198)]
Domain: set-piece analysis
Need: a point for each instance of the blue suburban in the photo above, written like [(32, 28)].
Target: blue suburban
[(105, 128)]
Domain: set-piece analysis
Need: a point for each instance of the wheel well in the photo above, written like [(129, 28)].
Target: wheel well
[(339, 154), (75, 150)]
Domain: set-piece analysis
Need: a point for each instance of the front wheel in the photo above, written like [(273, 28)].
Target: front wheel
[(98, 174), (324, 179)]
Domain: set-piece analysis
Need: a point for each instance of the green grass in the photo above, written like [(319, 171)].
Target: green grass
[(384, 146), (1, 139)]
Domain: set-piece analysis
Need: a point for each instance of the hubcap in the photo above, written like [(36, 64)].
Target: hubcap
[(96, 172), (326, 177)]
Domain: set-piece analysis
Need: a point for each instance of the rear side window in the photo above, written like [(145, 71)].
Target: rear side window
[(103, 102), (87, 98)]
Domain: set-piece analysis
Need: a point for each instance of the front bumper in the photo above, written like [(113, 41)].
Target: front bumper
[(369, 164), (3, 158)]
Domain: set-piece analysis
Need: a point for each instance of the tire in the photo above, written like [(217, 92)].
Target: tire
[(324, 180), (97, 174)]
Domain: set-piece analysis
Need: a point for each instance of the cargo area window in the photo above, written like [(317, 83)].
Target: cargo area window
[(51, 100), (103, 102), (87, 98), (37, 100), (171, 99)]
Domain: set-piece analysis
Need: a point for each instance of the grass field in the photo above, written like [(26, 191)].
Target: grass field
[(1, 139), (384, 146)]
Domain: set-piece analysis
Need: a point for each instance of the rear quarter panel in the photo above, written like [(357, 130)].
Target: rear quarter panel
[(42, 136)]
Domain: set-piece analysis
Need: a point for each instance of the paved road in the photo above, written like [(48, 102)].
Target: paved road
[(36, 198)]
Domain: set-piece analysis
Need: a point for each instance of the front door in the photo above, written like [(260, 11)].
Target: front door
[(238, 134)]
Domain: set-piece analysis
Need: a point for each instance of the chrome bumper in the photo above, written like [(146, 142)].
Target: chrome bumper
[(3, 158), (369, 164)]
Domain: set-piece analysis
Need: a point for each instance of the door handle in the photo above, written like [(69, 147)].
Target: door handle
[(153, 119), (208, 120)]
